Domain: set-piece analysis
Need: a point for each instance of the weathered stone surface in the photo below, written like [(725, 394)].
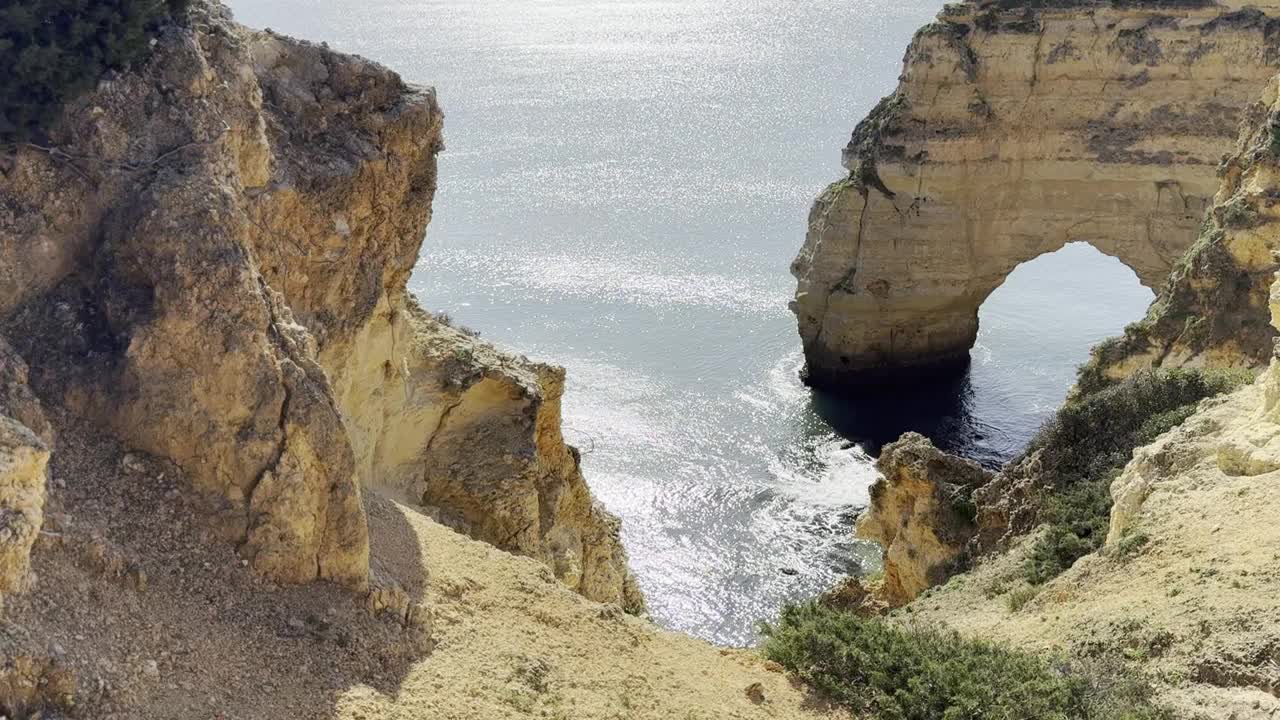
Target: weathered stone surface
[(26, 439), (16, 399), (434, 415), (473, 435), (23, 459), (210, 258), (36, 687), (1218, 306), (922, 513), (1014, 131)]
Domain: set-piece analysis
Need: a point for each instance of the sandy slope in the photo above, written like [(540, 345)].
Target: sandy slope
[(158, 619), (511, 642)]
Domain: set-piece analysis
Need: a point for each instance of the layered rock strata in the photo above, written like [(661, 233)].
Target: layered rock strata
[(1017, 128), (209, 257), (1217, 308), (1220, 308)]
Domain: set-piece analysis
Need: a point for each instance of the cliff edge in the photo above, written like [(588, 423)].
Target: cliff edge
[(1216, 308), (1137, 532), (207, 259)]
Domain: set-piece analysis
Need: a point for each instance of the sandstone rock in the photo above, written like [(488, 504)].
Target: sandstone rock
[(1212, 312), (434, 416), (31, 686), (1014, 131), (16, 399), (23, 459), (1217, 308), (223, 248), (922, 513), (1009, 505)]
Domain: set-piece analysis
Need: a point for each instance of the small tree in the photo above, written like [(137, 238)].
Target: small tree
[(53, 50)]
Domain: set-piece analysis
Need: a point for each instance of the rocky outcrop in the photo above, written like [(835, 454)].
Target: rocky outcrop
[(922, 513), (17, 401), (23, 459), (209, 259), (25, 441), (1217, 308), (1015, 129), (473, 435), (1188, 554)]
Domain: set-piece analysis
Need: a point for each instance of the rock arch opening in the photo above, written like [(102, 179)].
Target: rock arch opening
[(1036, 329)]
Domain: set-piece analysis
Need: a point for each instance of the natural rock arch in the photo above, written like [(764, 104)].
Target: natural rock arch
[(1011, 134)]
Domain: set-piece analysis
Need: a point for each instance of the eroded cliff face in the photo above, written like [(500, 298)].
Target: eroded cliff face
[(1219, 308), (209, 257), (1216, 309), (1015, 129), (922, 513), (473, 436), (1183, 588)]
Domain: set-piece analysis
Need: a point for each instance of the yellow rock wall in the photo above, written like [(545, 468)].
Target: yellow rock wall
[(1012, 133)]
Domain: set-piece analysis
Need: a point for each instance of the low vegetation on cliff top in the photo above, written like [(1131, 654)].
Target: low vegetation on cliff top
[(1091, 439), (881, 670), (53, 50)]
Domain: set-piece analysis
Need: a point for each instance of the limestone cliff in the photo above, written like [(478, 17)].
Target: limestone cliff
[(208, 259), (1015, 129), (1215, 308), (1183, 587), (1212, 311), (922, 513)]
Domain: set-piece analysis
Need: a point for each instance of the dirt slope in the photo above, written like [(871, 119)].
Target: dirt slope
[(154, 619)]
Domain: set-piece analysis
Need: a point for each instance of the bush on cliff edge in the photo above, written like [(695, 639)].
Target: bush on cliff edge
[(881, 670), (1091, 439), (53, 50)]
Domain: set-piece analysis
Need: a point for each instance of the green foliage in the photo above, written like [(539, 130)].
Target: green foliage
[(1238, 214), (893, 673), (1090, 440), (1019, 598), (1131, 544), (53, 50)]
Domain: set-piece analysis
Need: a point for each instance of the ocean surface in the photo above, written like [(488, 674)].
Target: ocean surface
[(624, 187)]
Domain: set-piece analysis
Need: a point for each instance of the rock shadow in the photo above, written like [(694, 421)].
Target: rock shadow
[(940, 407), (156, 616)]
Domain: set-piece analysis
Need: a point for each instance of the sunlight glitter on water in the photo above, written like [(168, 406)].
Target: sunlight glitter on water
[(624, 187)]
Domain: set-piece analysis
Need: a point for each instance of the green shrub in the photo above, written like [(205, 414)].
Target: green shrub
[(1019, 598), (53, 50), (892, 673), (1131, 544), (1090, 440)]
